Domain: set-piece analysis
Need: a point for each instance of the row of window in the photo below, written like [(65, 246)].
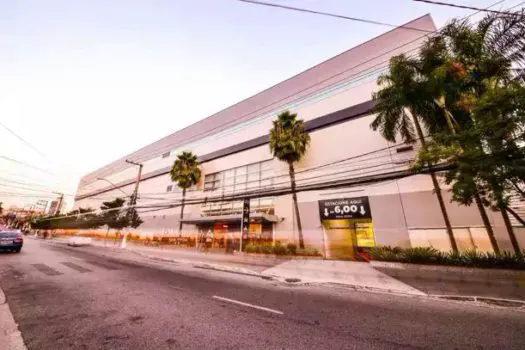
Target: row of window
[(235, 180), (241, 179)]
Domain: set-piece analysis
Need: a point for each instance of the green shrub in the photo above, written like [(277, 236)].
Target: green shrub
[(265, 249), (308, 252), (385, 253), (250, 248), (292, 248), (421, 255), (279, 249), (428, 255)]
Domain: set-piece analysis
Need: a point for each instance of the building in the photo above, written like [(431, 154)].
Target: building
[(53, 206), (335, 100)]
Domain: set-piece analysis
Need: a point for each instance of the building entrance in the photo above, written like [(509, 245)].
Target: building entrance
[(348, 227)]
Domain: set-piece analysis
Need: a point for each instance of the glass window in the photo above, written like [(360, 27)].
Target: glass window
[(229, 180), (251, 177), (240, 179), (211, 182), (254, 178), (254, 168), (169, 188), (254, 204), (166, 155), (267, 165), (266, 202)]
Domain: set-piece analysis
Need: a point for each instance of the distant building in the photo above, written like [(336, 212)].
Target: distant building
[(53, 207), (41, 205)]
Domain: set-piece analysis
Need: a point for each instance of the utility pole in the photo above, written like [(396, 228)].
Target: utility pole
[(60, 200), (134, 195)]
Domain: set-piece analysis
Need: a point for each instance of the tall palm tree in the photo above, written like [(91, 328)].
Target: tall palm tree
[(399, 96), (474, 60), (186, 173), (288, 143)]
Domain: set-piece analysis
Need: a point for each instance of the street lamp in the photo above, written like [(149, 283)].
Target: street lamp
[(112, 184)]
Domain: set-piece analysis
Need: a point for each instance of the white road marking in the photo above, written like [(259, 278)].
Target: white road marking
[(248, 305)]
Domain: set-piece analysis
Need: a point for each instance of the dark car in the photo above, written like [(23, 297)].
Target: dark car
[(11, 240)]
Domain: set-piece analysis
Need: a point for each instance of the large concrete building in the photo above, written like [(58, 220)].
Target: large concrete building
[(334, 98)]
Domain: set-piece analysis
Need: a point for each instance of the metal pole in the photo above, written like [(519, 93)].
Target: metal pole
[(242, 232), (134, 196), (60, 200)]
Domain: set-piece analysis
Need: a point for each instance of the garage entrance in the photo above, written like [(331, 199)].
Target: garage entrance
[(347, 225)]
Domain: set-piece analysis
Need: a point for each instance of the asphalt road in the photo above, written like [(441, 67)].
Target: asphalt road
[(88, 298)]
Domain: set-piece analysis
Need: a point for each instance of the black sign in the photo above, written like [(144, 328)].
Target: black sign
[(245, 218), (344, 208)]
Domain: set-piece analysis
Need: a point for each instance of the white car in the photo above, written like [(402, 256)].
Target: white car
[(78, 241)]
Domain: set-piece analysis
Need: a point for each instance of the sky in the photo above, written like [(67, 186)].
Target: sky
[(85, 82)]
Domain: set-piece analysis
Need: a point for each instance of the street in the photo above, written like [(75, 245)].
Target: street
[(90, 298)]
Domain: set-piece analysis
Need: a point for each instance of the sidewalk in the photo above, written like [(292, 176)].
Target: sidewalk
[(253, 264), (286, 269), (437, 282), (10, 336)]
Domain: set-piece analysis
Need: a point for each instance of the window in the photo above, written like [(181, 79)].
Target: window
[(212, 182), (169, 188), (166, 155), (242, 179)]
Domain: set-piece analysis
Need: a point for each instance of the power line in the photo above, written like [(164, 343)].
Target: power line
[(20, 138), (355, 158), (27, 165), (465, 7), (22, 183), (206, 133), (387, 176), (29, 188), (322, 13)]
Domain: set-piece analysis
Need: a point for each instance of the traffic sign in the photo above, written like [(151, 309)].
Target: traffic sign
[(344, 208)]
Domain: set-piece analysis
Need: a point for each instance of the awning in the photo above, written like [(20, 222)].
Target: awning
[(231, 218)]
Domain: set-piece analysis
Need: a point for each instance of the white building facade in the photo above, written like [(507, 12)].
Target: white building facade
[(334, 99)]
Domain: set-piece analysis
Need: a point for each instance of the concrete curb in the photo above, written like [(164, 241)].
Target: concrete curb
[(500, 302), (202, 265), (448, 269), (10, 336)]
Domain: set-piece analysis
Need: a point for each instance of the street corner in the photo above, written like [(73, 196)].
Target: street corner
[(10, 336)]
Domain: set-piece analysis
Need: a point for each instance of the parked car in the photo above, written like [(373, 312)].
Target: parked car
[(11, 240), (78, 241)]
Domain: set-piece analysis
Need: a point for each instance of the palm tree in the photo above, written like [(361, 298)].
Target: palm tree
[(186, 173), (399, 96), (288, 143), (462, 64)]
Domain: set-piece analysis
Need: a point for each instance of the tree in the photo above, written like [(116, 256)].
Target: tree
[(134, 219), (401, 92), (477, 82), (86, 218), (288, 143), (112, 215), (186, 173)]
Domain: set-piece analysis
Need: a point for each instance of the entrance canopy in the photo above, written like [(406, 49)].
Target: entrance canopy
[(234, 218)]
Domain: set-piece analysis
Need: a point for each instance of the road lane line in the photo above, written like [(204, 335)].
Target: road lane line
[(46, 269), (248, 305), (76, 267)]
